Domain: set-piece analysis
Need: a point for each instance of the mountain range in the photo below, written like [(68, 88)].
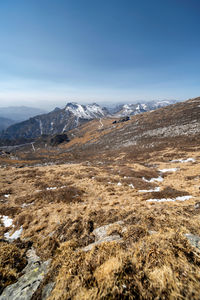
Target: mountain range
[(15, 114), (71, 116)]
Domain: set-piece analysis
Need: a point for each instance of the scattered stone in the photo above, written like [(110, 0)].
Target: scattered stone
[(193, 239), (101, 236), (197, 205), (125, 119), (152, 232)]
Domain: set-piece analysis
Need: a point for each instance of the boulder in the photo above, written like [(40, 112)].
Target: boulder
[(101, 236)]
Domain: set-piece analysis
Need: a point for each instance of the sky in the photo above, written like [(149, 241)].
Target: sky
[(58, 51)]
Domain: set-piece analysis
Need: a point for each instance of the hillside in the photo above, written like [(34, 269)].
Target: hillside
[(113, 213)]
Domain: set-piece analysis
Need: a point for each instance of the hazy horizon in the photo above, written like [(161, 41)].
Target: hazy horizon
[(103, 104), (53, 52)]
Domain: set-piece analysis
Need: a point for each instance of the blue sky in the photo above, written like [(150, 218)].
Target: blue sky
[(56, 51)]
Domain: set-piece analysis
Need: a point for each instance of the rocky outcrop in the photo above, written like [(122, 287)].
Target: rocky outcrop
[(59, 139), (28, 283), (101, 236), (193, 239)]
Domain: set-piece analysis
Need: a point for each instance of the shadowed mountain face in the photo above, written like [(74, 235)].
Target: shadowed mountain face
[(5, 123), (73, 115), (56, 122)]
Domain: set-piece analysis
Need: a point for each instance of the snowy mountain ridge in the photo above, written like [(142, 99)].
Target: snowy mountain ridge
[(138, 108), (88, 112)]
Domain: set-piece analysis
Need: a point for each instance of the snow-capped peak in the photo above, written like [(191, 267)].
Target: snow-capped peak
[(137, 108), (89, 111)]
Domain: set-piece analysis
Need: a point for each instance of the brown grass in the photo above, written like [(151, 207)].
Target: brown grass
[(155, 267), (153, 259)]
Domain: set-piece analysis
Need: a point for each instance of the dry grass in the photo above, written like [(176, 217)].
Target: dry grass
[(155, 267), (12, 261), (60, 223)]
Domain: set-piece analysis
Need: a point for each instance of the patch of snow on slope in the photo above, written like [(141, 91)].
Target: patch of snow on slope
[(94, 109), (89, 111), (157, 189), (180, 198), (131, 185), (184, 160), (158, 179), (7, 222), (55, 188), (41, 128), (15, 235), (168, 170)]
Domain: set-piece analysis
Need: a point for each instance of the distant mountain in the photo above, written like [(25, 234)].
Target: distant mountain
[(4, 123), (71, 116), (138, 108), (87, 112), (19, 113), (56, 122)]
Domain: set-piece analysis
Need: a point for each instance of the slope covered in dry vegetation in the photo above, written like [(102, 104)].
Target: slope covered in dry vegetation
[(114, 220)]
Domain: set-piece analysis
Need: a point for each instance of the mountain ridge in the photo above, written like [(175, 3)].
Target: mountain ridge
[(71, 116)]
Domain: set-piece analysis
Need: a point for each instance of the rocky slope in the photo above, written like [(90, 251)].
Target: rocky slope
[(172, 122)]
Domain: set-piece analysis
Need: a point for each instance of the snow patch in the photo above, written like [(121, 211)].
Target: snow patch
[(190, 159), (27, 204), (55, 188), (51, 188), (7, 222), (168, 170), (158, 179), (157, 189), (179, 198), (119, 184), (15, 235), (41, 128), (85, 112), (131, 185)]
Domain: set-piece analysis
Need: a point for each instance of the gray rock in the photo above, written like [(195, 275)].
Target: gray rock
[(193, 239), (101, 232), (109, 238), (152, 232), (101, 236), (46, 292), (28, 283)]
